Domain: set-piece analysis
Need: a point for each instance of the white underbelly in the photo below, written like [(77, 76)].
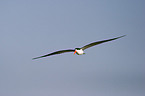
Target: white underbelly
[(80, 52)]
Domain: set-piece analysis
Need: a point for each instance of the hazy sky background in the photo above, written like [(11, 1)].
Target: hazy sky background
[(31, 28)]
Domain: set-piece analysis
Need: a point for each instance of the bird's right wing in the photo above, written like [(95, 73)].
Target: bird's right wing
[(99, 42), (57, 52)]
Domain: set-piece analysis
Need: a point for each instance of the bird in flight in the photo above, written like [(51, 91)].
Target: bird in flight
[(79, 51)]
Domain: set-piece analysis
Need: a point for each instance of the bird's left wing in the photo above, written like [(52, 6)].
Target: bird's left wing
[(99, 42), (57, 52)]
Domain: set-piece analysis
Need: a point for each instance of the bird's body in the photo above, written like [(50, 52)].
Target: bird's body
[(79, 51)]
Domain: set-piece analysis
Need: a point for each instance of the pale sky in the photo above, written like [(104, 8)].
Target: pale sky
[(31, 28)]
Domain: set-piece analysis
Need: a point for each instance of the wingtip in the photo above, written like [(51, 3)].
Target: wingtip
[(35, 58), (121, 36)]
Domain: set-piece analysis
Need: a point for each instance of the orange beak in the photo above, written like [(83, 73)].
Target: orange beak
[(75, 51)]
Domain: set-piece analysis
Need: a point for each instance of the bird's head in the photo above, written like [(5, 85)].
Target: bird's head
[(76, 50)]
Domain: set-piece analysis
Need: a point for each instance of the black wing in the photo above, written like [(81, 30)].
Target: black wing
[(99, 42), (57, 52)]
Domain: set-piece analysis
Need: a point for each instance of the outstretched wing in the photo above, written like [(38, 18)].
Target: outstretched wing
[(99, 42), (57, 52)]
